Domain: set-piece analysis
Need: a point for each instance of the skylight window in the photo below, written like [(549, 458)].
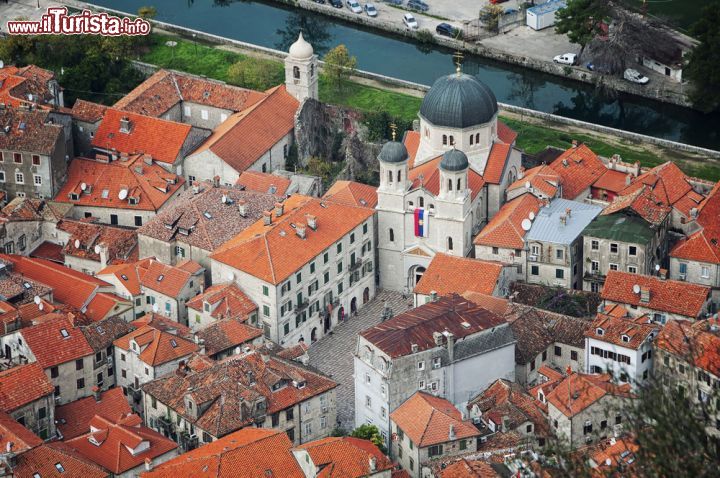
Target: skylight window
[(100, 330), (27, 285), (173, 343), (105, 193), (64, 333), (160, 277), (207, 215), (59, 467), (124, 277)]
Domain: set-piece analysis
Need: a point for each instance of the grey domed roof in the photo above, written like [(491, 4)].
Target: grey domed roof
[(454, 160), (459, 101), (393, 152)]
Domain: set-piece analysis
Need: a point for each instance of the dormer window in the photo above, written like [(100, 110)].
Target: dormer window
[(133, 201), (625, 338), (173, 343), (206, 307), (74, 196), (600, 331)]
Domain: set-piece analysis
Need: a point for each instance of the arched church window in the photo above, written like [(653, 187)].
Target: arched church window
[(449, 243), (296, 72), (477, 138), (391, 235), (452, 140), (399, 175), (459, 184), (390, 178), (312, 70), (472, 138), (444, 139), (449, 184)]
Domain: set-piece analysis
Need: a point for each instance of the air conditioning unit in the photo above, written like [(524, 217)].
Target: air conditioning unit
[(682, 277), (324, 409), (532, 258), (109, 360)]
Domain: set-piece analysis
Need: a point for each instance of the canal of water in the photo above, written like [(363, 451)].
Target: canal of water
[(276, 26)]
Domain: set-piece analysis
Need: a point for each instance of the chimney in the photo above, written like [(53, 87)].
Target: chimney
[(300, 230), (242, 207), (201, 344), (505, 423), (147, 159), (637, 168), (279, 209), (103, 255), (125, 124), (433, 296), (451, 433), (563, 219), (96, 393), (372, 462), (438, 338), (568, 212), (311, 221), (414, 348), (574, 143), (564, 162), (148, 464), (216, 182), (628, 179), (139, 168), (521, 174), (267, 218), (644, 294), (663, 274)]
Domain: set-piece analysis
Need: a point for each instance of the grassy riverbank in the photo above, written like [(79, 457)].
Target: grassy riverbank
[(213, 61)]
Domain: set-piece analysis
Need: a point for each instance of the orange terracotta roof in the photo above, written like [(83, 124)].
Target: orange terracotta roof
[(466, 468), (448, 274), (74, 418), (352, 193), (578, 391), (114, 440), (542, 178), (88, 111), (119, 243), (505, 228), (104, 305), (612, 180), (498, 305), (667, 182), (12, 432), (412, 143), (613, 455), (579, 168), (496, 161), (226, 301), (17, 83), (675, 297), (226, 334), (29, 131), (157, 346), (229, 385), (345, 457), (427, 420), (508, 399), (69, 286), (697, 343), (615, 328), (22, 385), (244, 137), (164, 89), (153, 274), (161, 139), (703, 245), (55, 340), (642, 202), (149, 185), (427, 176), (258, 452), (505, 133), (549, 373), (43, 462), (263, 182), (273, 253)]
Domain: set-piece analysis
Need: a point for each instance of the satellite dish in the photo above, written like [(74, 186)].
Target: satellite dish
[(97, 248), (527, 185), (155, 308), (37, 299), (657, 267), (41, 306), (526, 224), (83, 186), (532, 215), (122, 195), (636, 289), (608, 462), (77, 243), (224, 199), (2, 64), (231, 275)]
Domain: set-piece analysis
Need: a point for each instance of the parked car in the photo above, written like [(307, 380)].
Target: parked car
[(590, 66), (418, 5), (370, 10), (354, 6), (410, 21), (495, 2), (447, 30), (336, 3), (634, 76), (394, 2), (321, 2), (566, 59)]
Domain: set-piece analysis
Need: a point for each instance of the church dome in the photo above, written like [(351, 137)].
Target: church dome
[(459, 101), (454, 160), (301, 50), (393, 152)]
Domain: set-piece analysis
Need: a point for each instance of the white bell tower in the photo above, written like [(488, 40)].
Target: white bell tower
[(301, 70)]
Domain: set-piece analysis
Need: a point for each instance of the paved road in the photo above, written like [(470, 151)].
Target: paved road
[(333, 354)]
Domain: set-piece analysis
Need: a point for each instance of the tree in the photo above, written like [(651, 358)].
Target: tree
[(147, 12), (703, 68), (490, 14), (256, 74), (339, 65), (370, 432), (581, 20)]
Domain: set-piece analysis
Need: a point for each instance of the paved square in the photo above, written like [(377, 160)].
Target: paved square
[(333, 354)]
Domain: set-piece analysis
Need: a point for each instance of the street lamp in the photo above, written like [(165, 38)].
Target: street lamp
[(195, 42), (171, 44)]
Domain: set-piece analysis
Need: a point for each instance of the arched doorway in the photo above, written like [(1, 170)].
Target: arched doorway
[(416, 274), (366, 295), (313, 335), (353, 306), (341, 314)]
